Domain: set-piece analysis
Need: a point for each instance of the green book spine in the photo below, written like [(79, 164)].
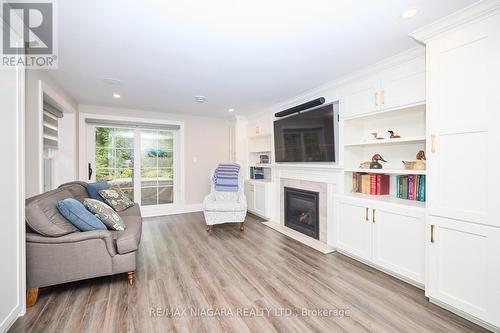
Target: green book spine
[(405, 187), (422, 185)]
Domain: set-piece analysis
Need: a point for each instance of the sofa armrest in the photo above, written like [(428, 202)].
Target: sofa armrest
[(76, 237), (242, 199), (208, 199)]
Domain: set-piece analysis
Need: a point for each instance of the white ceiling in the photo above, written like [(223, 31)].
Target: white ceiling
[(245, 55)]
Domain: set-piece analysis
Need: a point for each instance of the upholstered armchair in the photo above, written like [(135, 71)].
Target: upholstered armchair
[(225, 207)]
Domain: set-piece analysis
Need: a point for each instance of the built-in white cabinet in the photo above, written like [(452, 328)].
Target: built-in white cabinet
[(464, 268), (258, 194), (386, 235), (353, 229), (463, 242), (397, 87)]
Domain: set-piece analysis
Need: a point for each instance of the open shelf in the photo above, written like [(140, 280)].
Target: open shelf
[(388, 171), (390, 199), (414, 139)]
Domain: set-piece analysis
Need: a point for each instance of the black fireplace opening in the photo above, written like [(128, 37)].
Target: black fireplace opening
[(302, 211)]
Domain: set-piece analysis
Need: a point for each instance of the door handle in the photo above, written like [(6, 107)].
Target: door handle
[(432, 233), (373, 215), (382, 97), (90, 171), (376, 98), (433, 143), (366, 214)]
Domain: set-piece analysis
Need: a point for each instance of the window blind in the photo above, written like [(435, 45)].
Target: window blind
[(131, 124), (51, 114)]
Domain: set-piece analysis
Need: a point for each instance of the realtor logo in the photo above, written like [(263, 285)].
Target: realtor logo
[(28, 34)]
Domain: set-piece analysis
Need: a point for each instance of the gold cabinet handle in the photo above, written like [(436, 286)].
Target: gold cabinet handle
[(366, 214), (382, 97), (373, 216), (432, 233), (433, 143), (376, 98)]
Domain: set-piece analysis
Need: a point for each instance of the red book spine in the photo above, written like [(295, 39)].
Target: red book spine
[(384, 184), (379, 184), (373, 184)]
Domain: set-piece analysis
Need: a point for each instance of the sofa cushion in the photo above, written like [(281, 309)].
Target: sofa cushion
[(116, 199), (129, 239), (135, 210), (77, 189), (79, 216), (105, 213), (94, 188), (43, 217)]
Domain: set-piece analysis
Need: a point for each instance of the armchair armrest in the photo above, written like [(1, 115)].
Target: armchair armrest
[(76, 237)]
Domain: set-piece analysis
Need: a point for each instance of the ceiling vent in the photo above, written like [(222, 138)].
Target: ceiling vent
[(200, 99), (112, 81)]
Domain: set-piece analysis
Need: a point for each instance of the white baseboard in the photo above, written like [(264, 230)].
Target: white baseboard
[(10, 319), (170, 210)]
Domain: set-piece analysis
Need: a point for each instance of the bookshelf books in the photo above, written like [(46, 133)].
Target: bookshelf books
[(411, 187), (374, 184)]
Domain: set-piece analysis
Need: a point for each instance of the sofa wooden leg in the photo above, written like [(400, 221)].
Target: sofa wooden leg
[(31, 296), (209, 228), (131, 277), (242, 226)]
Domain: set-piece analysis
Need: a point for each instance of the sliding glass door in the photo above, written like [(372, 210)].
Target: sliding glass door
[(141, 162), (157, 168)]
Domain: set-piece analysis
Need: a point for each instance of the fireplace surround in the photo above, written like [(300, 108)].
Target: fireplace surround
[(301, 208)]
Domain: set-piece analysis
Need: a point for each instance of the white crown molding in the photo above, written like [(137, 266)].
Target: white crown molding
[(466, 15), (408, 55)]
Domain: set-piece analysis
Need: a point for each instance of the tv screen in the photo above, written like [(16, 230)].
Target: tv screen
[(306, 137)]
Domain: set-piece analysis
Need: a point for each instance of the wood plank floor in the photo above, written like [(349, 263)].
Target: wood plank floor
[(183, 267)]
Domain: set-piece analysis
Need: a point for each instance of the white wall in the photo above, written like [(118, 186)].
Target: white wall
[(12, 262), (37, 83), (206, 144)]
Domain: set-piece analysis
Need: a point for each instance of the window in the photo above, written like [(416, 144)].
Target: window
[(114, 158), (157, 172)]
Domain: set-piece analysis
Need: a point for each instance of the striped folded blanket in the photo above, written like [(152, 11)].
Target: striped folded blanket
[(226, 177)]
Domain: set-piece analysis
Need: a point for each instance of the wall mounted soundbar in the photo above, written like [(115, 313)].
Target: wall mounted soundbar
[(301, 107)]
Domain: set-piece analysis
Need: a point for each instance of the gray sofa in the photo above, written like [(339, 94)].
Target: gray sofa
[(57, 252)]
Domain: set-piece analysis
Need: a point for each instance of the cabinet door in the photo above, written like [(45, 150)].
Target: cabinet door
[(403, 85), (464, 267), (362, 97), (463, 124), (260, 199), (249, 194), (398, 241), (353, 231)]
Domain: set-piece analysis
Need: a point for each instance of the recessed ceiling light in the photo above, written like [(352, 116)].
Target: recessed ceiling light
[(409, 13), (115, 95), (112, 81), (230, 110), (200, 99)]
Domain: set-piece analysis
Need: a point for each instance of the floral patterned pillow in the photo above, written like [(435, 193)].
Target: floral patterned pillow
[(116, 199), (105, 213)]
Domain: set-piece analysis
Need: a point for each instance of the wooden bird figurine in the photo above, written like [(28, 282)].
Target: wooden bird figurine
[(419, 164), (393, 136), (374, 164), (376, 137)]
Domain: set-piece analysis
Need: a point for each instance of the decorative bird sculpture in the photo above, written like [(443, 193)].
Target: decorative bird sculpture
[(376, 137), (393, 136), (374, 164), (419, 164)]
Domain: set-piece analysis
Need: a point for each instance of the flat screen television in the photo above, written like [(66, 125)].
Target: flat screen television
[(309, 136)]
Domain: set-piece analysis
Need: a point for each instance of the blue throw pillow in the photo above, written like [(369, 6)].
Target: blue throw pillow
[(76, 213), (94, 188)]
